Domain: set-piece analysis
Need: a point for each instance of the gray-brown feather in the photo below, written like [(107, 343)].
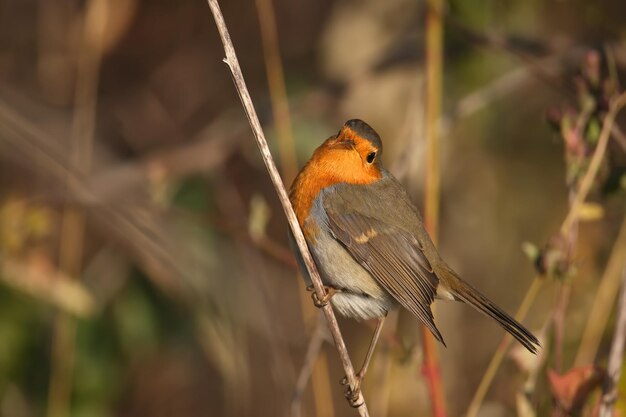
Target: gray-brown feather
[(383, 243), (372, 245), (400, 254), (359, 297)]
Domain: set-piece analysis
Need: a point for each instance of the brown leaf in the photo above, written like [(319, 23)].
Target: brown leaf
[(572, 389)]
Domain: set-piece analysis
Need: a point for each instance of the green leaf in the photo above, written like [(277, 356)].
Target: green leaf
[(531, 251), (593, 131)]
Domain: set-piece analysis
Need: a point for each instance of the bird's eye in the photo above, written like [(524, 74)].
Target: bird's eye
[(370, 157)]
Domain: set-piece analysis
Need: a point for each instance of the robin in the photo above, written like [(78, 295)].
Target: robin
[(369, 242)]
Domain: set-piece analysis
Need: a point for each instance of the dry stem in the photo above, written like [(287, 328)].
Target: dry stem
[(287, 158), (312, 354), (603, 302), (246, 100), (578, 200), (616, 357), (384, 367), (277, 89), (498, 356), (73, 218), (434, 68), (594, 166)]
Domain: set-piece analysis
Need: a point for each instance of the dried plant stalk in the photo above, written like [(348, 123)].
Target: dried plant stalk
[(246, 100), (289, 162), (616, 357), (603, 301), (577, 201), (311, 357), (277, 89), (434, 69), (73, 218)]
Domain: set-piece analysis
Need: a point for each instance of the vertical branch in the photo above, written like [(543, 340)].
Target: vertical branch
[(571, 217), (311, 357), (594, 166), (498, 356), (246, 101), (322, 390), (277, 89), (616, 357), (559, 309), (384, 367), (73, 218), (289, 162), (603, 301), (434, 69)]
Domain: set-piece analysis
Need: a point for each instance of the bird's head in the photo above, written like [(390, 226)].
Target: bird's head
[(352, 155)]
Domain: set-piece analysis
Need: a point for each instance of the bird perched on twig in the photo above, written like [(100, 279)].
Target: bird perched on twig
[(369, 242)]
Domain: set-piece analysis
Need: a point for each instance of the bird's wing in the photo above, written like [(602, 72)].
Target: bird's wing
[(392, 255)]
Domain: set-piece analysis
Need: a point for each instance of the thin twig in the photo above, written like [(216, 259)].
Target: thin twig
[(246, 100), (287, 158), (265, 244), (73, 218), (312, 354), (503, 43), (558, 321), (384, 366), (594, 165), (498, 88), (498, 356), (434, 69), (616, 357), (208, 150), (609, 53), (134, 225), (580, 197), (322, 390), (619, 137), (277, 89), (284, 373), (143, 231), (559, 309), (569, 232), (603, 301)]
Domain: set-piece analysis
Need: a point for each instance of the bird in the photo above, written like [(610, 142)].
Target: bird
[(369, 242)]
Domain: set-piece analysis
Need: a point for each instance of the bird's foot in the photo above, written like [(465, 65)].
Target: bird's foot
[(353, 395), (321, 302)]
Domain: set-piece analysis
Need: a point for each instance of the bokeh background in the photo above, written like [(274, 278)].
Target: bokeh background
[(145, 269)]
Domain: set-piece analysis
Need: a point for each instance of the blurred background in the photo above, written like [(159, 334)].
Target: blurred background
[(144, 266)]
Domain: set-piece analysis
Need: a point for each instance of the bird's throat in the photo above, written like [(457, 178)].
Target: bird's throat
[(323, 171)]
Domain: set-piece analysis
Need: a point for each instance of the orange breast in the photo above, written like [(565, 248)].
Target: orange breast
[(326, 168)]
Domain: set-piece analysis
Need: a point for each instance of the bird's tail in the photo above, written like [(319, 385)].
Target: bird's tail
[(466, 293)]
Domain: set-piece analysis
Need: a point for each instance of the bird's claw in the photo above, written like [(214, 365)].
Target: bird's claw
[(321, 302), (353, 394)]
